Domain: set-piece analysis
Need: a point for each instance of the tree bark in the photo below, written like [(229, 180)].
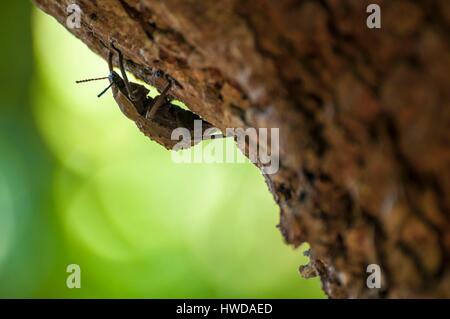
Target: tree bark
[(364, 117)]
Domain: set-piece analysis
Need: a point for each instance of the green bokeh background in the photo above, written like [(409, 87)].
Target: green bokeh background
[(80, 184)]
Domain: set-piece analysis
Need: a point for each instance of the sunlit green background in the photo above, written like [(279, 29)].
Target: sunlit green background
[(80, 184)]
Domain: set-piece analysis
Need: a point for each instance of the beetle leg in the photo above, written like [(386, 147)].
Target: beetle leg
[(122, 70), (110, 64), (158, 102)]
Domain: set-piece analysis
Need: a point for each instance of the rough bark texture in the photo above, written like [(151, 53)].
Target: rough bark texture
[(364, 117)]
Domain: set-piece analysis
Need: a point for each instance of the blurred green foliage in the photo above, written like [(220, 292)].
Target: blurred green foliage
[(80, 184)]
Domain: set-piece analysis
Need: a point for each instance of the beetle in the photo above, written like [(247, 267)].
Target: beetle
[(156, 117)]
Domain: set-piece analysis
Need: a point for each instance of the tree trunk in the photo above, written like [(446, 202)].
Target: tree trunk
[(364, 117)]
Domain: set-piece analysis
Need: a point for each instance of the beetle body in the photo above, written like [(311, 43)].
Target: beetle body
[(159, 124), (156, 117)]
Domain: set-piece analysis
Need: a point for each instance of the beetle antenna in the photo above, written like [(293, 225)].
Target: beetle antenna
[(88, 80), (104, 91)]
